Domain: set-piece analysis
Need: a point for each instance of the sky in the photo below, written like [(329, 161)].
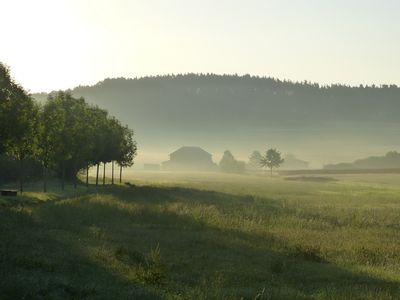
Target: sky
[(59, 44)]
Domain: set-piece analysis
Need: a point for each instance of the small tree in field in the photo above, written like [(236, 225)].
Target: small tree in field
[(271, 159), (255, 159)]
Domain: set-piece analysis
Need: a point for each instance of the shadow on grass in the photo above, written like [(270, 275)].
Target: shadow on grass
[(321, 179), (104, 246), (7, 201)]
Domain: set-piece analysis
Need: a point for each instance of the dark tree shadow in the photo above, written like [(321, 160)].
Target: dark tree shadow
[(104, 246)]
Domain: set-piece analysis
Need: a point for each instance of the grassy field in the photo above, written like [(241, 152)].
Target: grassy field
[(208, 236)]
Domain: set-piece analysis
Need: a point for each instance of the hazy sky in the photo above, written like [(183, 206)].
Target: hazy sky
[(57, 44)]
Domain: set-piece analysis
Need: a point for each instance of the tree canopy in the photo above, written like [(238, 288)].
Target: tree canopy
[(255, 159), (271, 159), (65, 134), (229, 164), (207, 108)]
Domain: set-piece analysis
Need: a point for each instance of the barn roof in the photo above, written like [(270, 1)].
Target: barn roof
[(190, 151)]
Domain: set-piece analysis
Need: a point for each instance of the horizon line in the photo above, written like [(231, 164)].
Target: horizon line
[(233, 75)]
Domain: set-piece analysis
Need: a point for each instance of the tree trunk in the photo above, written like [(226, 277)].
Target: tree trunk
[(87, 176), (112, 173), (21, 188), (97, 175), (271, 171), (120, 174), (63, 177), (44, 179), (75, 178), (104, 174)]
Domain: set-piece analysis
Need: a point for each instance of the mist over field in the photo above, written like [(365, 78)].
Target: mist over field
[(200, 150), (318, 124)]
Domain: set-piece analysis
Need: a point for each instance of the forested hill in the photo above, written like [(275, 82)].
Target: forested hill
[(200, 108), (252, 100)]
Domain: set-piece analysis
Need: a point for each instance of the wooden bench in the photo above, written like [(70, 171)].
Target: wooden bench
[(9, 192)]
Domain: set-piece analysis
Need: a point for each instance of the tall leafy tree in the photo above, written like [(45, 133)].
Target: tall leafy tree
[(7, 92), (68, 145), (18, 121), (79, 131), (66, 135), (94, 117), (98, 138), (51, 126), (271, 159), (21, 116), (116, 142), (127, 150), (4, 83), (110, 147), (255, 159), (62, 150)]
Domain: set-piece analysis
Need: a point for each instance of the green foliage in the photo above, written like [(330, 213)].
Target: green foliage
[(292, 240), (86, 135), (149, 268), (127, 149), (229, 164), (152, 271), (65, 134), (255, 160), (389, 161), (18, 121), (18, 118), (223, 106), (271, 159), (7, 87), (268, 100), (22, 115), (9, 169)]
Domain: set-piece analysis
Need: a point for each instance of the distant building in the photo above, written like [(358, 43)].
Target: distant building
[(189, 159), (292, 163)]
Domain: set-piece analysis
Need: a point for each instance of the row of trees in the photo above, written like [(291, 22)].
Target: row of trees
[(65, 134), (271, 159)]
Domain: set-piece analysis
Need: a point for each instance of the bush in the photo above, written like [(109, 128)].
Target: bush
[(229, 164), (308, 252), (149, 268)]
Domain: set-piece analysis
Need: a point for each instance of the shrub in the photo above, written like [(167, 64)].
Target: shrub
[(308, 252)]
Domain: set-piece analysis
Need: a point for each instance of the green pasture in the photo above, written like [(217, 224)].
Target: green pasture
[(205, 236)]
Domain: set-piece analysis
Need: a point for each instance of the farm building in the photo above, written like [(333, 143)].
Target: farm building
[(189, 159), (293, 163)]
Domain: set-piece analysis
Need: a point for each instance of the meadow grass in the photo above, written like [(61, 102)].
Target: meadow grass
[(205, 236)]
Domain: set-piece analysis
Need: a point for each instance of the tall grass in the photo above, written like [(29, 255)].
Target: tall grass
[(207, 236)]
